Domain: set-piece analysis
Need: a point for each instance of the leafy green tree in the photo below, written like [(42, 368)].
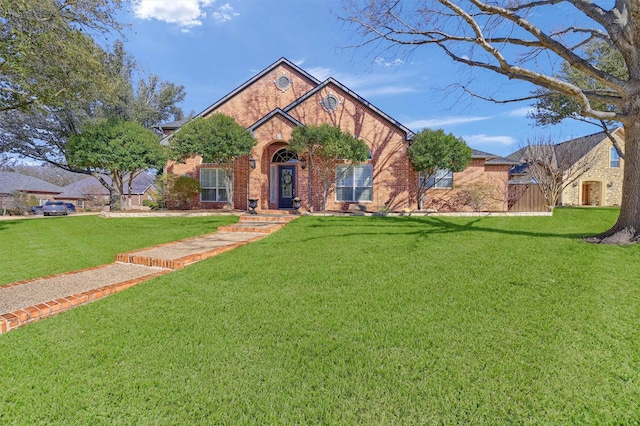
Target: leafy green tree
[(525, 40), (552, 108), (433, 150), (217, 139), (46, 55), (121, 149), (41, 132), (325, 145)]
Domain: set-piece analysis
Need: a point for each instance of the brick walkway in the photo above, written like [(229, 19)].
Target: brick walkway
[(23, 302)]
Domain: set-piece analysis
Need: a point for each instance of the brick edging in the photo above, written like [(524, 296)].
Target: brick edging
[(20, 317)]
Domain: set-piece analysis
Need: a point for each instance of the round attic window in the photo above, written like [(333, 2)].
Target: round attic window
[(330, 102), (283, 82)]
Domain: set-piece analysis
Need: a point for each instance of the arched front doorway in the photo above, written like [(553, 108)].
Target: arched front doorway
[(283, 179), (592, 193)]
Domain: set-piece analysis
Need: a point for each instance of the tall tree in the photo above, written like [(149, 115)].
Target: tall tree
[(40, 132), (325, 145), (46, 56), (514, 38), (432, 151), (120, 149), (217, 139)]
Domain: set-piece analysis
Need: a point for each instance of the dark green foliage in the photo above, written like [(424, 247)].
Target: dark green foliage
[(117, 148), (552, 108), (324, 145), (433, 150), (46, 55), (218, 139)]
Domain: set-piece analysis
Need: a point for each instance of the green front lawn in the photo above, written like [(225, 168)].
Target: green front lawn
[(45, 246), (364, 320)]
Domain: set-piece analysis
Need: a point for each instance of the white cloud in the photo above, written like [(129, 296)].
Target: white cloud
[(224, 13), (482, 139), (320, 73), (388, 63), (385, 91), (520, 112), (184, 13), (443, 121)]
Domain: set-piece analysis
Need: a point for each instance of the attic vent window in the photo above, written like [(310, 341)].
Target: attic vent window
[(283, 82), (330, 102)]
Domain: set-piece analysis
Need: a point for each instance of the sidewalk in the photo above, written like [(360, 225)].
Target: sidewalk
[(23, 302)]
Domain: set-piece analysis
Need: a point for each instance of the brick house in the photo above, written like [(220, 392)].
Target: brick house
[(34, 191), (601, 184), (89, 193), (283, 96)]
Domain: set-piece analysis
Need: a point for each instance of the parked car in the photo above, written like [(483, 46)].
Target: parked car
[(36, 210), (71, 207), (55, 208)]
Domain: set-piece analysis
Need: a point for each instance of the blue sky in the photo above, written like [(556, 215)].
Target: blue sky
[(213, 46)]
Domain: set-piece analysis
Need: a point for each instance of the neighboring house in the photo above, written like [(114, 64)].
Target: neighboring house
[(599, 185), (89, 193), (36, 191), (283, 96)]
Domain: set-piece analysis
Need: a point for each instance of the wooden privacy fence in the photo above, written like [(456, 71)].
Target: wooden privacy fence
[(526, 197)]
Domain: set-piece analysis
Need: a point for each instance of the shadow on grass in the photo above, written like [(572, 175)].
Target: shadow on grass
[(439, 225), (5, 224)]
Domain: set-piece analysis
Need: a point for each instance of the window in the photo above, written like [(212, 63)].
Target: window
[(441, 179), (283, 82), (614, 158), (330, 102), (212, 185), (354, 183)]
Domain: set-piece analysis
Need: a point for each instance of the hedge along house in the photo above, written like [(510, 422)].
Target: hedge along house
[(282, 97)]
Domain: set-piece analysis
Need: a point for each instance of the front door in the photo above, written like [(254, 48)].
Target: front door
[(287, 192)]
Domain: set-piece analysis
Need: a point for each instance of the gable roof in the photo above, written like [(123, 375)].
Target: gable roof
[(91, 186), (408, 133), (314, 81), (12, 181), (492, 159), (272, 114), (574, 148)]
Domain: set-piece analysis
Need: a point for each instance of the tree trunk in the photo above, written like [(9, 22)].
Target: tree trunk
[(627, 228)]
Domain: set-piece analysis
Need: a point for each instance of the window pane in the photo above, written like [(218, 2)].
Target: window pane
[(363, 175), (207, 178), (221, 178), (344, 176), (364, 194), (344, 194), (208, 195), (222, 194)]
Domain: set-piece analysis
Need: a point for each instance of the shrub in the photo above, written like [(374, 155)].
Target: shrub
[(183, 190)]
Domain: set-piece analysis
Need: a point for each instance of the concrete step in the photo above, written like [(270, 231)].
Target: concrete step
[(267, 218), (253, 227)]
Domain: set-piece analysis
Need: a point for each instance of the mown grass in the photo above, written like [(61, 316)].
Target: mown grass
[(369, 320), (44, 246)]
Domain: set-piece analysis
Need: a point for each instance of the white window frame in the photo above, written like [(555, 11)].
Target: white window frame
[(614, 158), (346, 177), (218, 186), (442, 179)]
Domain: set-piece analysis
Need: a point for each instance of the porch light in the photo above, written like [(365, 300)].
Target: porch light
[(303, 163), (252, 163)]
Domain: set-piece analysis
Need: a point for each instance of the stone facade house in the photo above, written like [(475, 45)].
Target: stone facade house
[(283, 96), (600, 184)]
